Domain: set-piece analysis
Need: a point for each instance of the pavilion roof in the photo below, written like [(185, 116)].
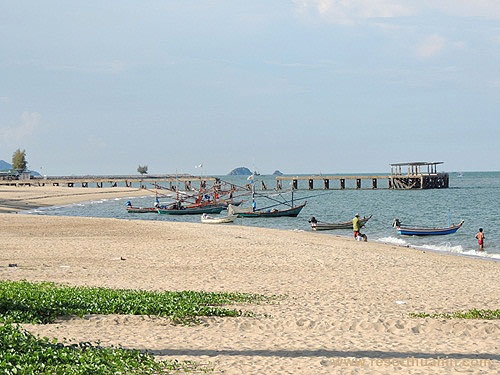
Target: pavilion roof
[(417, 163)]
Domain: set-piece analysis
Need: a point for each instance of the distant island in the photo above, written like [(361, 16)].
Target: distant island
[(4, 166), (240, 171), (277, 173)]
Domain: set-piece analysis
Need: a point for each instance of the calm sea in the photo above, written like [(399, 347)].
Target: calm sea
[(472, 196)]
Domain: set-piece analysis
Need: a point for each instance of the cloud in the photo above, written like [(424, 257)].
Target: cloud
[(353, 11), (349, 12), (430, 47), (108, 67), (17, 133), (462, 8)]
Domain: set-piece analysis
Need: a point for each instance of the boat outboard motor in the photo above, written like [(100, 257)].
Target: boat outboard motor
[(313, 220), (396, 223)]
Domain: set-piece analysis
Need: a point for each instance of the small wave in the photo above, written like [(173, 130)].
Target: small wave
[(447, 247), (393, 240), (482, 254)]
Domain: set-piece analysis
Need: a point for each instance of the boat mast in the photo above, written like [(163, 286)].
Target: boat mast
[(254, 204), (252, 181)]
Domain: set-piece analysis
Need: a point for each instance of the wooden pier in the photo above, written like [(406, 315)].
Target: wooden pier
[(171, 182), (416, 177)]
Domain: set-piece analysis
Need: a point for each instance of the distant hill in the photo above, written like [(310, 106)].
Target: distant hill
[(277, 173), (240, 171), (4, 166)]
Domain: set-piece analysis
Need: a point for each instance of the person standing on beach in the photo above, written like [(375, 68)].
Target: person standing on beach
[(480, 239), (356, 225)]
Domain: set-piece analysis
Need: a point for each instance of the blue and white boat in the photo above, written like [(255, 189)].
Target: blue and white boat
[(421, 231)]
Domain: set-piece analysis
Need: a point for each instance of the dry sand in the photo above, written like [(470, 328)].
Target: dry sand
[(340, 305)]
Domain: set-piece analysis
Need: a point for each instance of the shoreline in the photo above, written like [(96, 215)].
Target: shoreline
[(489, 257), (15, 199), (67, 196)]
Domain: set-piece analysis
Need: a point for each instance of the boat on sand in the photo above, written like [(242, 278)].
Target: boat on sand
[(217, 220)]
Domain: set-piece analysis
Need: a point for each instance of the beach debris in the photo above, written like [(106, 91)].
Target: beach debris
[(401, 302), (122, 258), (12, 264)]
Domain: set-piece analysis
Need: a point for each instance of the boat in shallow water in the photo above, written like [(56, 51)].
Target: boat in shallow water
[(290, 212), (422, 231), (191, 210), (318, 225), (141, 210)]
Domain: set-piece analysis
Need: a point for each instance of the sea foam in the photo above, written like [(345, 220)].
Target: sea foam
[(393, 240), (445, 248)]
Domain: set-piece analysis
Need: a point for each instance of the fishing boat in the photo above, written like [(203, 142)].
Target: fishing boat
[(141, 210), (290, 212), (217, 220), (422, 231), (318, 225), (191, 210)]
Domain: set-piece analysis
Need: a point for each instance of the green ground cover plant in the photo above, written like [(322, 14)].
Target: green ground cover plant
[(471, 314), (24, 353), (29, 302)]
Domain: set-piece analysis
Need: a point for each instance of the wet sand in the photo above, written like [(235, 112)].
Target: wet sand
[(15, 199)]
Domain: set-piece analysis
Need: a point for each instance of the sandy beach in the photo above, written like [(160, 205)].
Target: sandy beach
[(15, 199), (345, 308)]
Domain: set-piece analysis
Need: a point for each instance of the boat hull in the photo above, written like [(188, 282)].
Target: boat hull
[(428, 231), (141, 210), (192, 211), (291, 212), (219, 220), (333, 226)]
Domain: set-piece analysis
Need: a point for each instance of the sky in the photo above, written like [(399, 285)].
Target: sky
[(303, 86)]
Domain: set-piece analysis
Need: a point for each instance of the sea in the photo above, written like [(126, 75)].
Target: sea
[(472, 196)]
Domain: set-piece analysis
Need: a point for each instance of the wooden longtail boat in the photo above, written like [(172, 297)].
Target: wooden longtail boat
[(345, 225), (217, 220), (416, 231), (191, 210), (291, 212), (206, 205), (141, 210)]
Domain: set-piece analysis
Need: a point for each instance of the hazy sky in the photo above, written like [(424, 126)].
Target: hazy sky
[(304, 86)]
